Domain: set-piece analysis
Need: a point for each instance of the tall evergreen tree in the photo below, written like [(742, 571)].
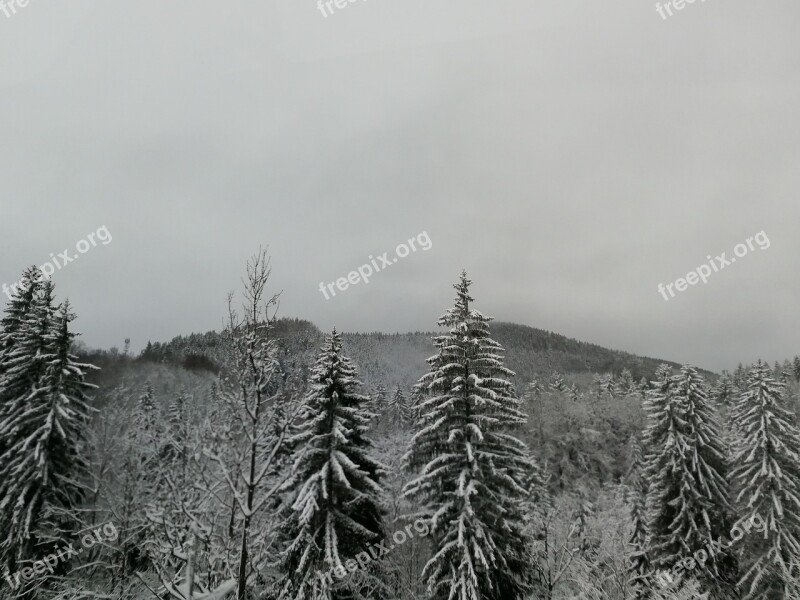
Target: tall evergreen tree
[(14, 328), (417, 397), (626, 383), (17, 311), (609, 385), (767, 474), (398, 406), (378, 404), (145, 419), (335, 511), (472, 471), (687, 501), (44, 423), (724, 392)]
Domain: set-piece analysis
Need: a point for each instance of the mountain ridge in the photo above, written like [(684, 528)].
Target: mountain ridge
[(400, 358)]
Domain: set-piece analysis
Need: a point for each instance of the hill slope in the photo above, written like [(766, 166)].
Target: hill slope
[(399, 358)]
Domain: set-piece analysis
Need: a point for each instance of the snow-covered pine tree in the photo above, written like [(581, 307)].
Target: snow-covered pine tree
[(687, 501), (796, 368), (178, 430), (397, 407), (626, 384), (766, 474), (335, 509), (535, 388), (17, 311), (378, 404), (417, 397), (25, 326), (13, 327), (724, 392), (144, 415), (609, 385), (44, 467), (597, 384), (471, 470), (28, 323), (636, 495)]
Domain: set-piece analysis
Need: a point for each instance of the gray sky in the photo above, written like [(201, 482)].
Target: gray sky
[(570, 155)]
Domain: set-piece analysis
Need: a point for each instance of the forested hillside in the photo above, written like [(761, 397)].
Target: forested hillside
[(399, 358)]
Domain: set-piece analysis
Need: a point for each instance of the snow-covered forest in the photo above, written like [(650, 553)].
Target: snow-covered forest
[(271, 461)]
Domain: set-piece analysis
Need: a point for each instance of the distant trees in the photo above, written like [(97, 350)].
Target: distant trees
[(378, 404), (724, 392), (397, 407), (470, 468)]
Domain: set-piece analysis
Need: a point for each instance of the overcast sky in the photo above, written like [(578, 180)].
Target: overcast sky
[(571, 155)]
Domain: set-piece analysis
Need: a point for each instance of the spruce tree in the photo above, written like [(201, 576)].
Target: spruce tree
[(724, 392), (177, 434), (14, 327), (398, 406), (378, 404), (146, 421), (28, 324), (767, 475), (687, 501), (597, 384), (17, 312), (335, 510), (25, 326), (417, 397), (626, 383), (44, 425), (471, 470)]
